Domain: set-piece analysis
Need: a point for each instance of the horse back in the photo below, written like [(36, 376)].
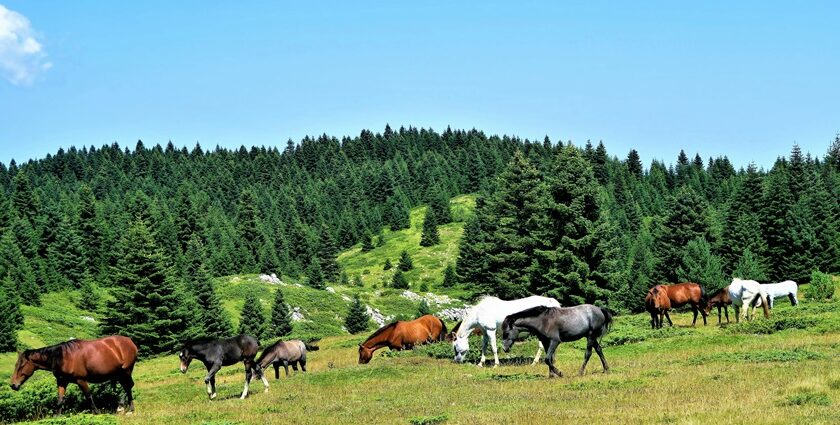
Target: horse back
[(684, 293), (99, 358)]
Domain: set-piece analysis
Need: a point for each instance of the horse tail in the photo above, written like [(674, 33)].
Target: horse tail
[(442, 335), (311, 347), (704, 297), (764, 305), (608, 321)]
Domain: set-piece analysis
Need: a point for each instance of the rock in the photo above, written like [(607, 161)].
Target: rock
[(430, 298), (297, 315), (330, 290), (346, 298), (272, 278), (88, 318), (378, 317), (453, 314), (411, 295)]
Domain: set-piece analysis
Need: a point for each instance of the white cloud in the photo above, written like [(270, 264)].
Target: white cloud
[(22, 57)]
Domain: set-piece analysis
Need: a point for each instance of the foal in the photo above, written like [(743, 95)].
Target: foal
[(217, 353), (719, 299)]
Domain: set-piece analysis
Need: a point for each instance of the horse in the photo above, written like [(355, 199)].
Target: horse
[(689, 293), (553, 325), (787, 288), (286, 353), (657, 304), (402, 335), (111, 358), (225, 352), (719, 299), (746, 294), (487, 315)]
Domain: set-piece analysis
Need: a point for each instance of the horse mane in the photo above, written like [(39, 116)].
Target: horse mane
[(53, 354), (380, 330), (529, 312)]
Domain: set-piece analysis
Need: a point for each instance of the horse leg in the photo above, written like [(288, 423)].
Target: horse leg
[(276, 370), (725, 310), (601, 355), (537, 357), (549, 359), (793, 300), (127, 384), (484, 340), (495, 351), (668, 316), (259, 371), (769, 302), (719, 315), (590, 342), (694, 310), (302, 362), (737, 313), (210, 380), (248, 369), (703, 313), (86, 391), (62, 387)]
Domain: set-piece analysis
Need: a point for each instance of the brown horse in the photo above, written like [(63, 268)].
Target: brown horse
[(450, 336), (657, 304), (689, 293), (719, 299), (78, 361), (402, 335)]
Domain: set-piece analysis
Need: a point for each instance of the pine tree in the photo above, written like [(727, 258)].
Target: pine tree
[(328, 255), (439, 207), (399, 281), (24, 200), (685, 220), (281, 317), (634, 163), (430, 234), (776, 202), (314, 274), (343, 279), (367, 243), (387, 265), (267, 257), (17, 269), (249, 221), (450, 279), (801, 250), (11, 320), (423, 309), (146, 306), (472, 266), (252, 319), (212, 320), (357, 319), (357, 281), (748, 267), (405, 264), (397, 214), (742, 229), (700, 265), (68, 254), (90, 232), (89, 298)]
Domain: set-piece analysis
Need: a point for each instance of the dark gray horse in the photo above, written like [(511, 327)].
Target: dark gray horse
[(553, 325), (224, 352)]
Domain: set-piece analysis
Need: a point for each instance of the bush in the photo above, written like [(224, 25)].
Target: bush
[(39, 398), (821, 287)]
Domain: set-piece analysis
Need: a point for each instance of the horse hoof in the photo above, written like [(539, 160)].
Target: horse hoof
[(480, 365), (495, 365), (212, 396)]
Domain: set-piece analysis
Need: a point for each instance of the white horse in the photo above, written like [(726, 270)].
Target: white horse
[(787, 288), (745, 294), (488, 315)]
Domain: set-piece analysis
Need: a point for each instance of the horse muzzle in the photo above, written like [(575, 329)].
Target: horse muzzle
[(183, 369), (15, 387)]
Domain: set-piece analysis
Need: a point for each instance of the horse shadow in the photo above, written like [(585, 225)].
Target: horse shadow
[(516, 361)]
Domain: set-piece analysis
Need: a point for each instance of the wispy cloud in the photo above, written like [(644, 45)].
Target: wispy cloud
[(22, 57)]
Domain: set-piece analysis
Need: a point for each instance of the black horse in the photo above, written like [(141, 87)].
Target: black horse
[(217, 353), (553, 325)]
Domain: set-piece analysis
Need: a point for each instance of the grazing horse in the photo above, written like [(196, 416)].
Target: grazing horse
[(657, 304), (787, 288), (225, 352), (553, 325), (745, 294), (285, 353), (79, 361), (719, 299), (489, 314), (689, 293), (402, 335)]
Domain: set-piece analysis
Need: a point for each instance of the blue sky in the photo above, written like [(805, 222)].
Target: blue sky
[(746, 79)]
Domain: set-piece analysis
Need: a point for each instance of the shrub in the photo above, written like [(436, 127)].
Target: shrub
[(803, 397), (821, 287), (428, 420)]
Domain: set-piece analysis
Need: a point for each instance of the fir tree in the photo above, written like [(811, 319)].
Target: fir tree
[(212, 321), (700, 265), (252, 319), (439, 208), (146, 306), (357, 319), (405, 264), (68, 254), (800, 252), (17, 269), (281, 317), (399, 281), (430, 234), (90, 230), (89, 298), (387, 265), (423, 309), (398, 214), (249, 218), (357, 281), (367, 243), (776, 202), (748, 267), (343, 279), (634, 163), (450, 279), (327, 255), (11, 320), (314, 274), (684, 221)]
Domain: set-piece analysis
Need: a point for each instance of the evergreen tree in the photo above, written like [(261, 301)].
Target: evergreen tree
[(685, 220), (405, 264), (399, 281), (343, 279), (800, 253), (90, 231), (89, 298), (267, 257), (748, 267), (776, 202), (357, 281), (472, 266), (11, 320), (742, 228), (423, 309), (146, 303), (25, 201), (700, 265), (281, 317), (249, 218), (252, 319), (357, 319), (398, 214), (367, 243), (634, 163), (450, 279), (328, 255), (212, 320), (387, 265), (68, 254), (430, 234), (439, 208), (17, 269), (314, 274)]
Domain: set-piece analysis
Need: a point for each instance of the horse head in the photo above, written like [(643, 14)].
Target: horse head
[(462, 347), (509, 335), (24, 368), (365, 354), (186, 357)]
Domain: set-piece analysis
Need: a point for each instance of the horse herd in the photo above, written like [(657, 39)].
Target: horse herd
[(113, 358)]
